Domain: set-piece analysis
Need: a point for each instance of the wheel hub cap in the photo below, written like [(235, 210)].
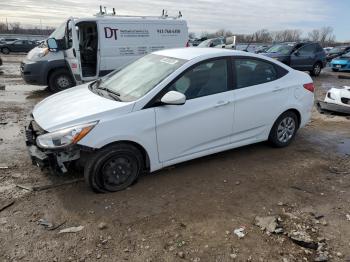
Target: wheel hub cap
[(286, 129)]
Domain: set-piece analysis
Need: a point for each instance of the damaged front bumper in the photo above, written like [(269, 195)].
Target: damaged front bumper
[(57, 160)]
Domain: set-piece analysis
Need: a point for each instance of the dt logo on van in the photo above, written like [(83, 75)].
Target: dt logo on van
[(110, 32)]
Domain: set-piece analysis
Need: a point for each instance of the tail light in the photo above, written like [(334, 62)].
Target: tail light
[(188, 44), (310, 87)]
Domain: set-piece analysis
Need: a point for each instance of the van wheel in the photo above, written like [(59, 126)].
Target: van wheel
[(60, 80), (284, 129), (113, 168), (316, 69), (5, 50)]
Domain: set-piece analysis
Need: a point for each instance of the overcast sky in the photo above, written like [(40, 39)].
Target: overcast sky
[(239, 16)]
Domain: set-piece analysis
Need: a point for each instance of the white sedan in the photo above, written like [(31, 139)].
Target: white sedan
[(165, 108)]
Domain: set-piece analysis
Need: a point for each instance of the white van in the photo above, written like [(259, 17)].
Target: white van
[(88, 48)]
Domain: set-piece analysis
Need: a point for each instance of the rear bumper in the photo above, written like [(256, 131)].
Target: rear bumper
[(340, 66)]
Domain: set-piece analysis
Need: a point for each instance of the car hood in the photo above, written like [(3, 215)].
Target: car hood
[(342, 59), (77, 105)]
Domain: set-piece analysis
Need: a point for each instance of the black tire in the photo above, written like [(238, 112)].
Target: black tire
[(277, 137), (316, 69), (60, 79), (5, 50), (335, 70), (113, 168)]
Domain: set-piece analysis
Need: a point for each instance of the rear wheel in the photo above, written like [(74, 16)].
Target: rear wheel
[(60, 80), (5, 50), (284, 129), (316, 69), (113, 168)]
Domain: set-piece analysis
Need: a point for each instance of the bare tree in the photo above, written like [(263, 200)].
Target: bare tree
[(191, 35), (288, 35)]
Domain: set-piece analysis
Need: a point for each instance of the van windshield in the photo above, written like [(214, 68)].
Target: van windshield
[(59, 32), (139, 77)]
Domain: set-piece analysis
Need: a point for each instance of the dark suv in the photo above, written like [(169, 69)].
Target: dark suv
[(337, 51), (303, 56)]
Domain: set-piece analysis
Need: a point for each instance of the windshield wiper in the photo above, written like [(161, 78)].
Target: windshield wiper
[(111, 93)]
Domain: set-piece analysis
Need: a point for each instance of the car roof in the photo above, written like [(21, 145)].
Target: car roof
[(190, 53)]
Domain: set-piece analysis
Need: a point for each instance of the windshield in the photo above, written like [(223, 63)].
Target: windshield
[(281, 49), (141, 76), (204, 43), (59, 32), (347, 55), (336, 50)]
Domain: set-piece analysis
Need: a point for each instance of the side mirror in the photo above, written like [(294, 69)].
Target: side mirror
[(173, 98), (52, 44), (211, 45), (296, 53)]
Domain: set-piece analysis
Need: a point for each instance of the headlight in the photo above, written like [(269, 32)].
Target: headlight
[(64, 137), (43, 52)]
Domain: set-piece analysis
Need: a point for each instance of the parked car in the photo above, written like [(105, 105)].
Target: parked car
[(341, 63), (327, 49), (97, 46), (165, 108), (17, 46), (213, 42), (337, 51), (303, 56)]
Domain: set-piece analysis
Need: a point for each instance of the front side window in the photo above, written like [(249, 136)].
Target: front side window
[(250, 72), (283, 49), (139, 77), (205, 79)]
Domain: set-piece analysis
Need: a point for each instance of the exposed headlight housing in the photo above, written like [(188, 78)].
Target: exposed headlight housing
[(64, 137), (43, 52)]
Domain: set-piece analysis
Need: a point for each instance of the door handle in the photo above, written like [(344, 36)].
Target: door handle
[(222, 103), (277, 89)]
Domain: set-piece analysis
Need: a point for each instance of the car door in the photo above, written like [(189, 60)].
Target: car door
[(72, 53), (205, 121), (17, 46), (304, 57), (259, 97)]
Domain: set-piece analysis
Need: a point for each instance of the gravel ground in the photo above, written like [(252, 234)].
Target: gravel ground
[(188, 212)]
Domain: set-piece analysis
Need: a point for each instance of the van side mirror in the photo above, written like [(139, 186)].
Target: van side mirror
[(173, 98), (52, 44)]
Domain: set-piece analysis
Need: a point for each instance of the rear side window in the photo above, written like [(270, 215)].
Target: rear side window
[(307, 50), (250, 72)]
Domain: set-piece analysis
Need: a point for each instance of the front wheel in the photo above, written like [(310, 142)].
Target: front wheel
[(5, 50), (60, 80), (316, 69), (284, 129), (113, 168)]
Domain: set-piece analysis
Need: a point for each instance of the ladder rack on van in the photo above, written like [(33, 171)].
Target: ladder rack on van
[(113, 14)]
